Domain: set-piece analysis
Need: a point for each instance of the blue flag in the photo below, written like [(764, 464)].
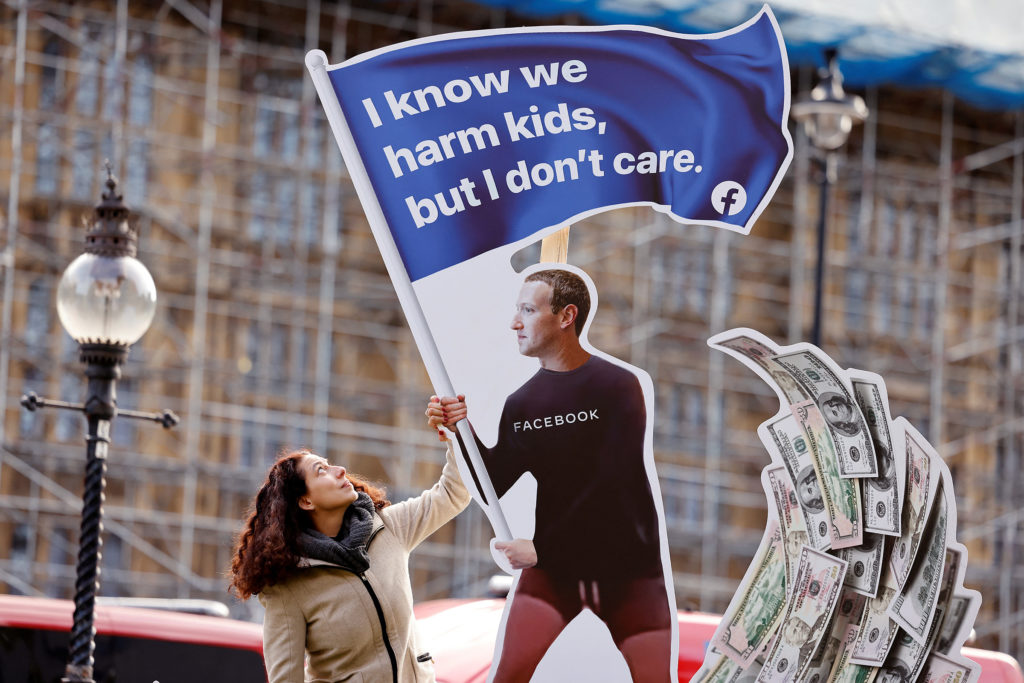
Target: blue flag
[(477, 140)]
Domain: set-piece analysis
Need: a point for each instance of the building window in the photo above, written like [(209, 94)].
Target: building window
[(856, 282), (311, 212), (301, 366), (885, 226), (70, 425), (140, 114), (284, 209), (83, 155), (137, 170), (37, 319), (61, 553), (252, 352), (278, 351), (113, 91), (47, 137), (276, 136), (87, 92), (140, 92), (258, 205)]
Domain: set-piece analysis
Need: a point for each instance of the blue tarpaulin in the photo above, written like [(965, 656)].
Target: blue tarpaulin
[(974, 48)]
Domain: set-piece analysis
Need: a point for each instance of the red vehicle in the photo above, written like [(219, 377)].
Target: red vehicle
[(133, 645), (461, 635)]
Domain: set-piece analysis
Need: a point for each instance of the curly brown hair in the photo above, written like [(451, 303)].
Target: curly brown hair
[(267, 550)]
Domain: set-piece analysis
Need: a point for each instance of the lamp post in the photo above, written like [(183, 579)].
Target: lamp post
[(106, 300), (827, 115)]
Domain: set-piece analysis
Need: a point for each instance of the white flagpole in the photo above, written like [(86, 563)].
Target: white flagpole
[(316, 62)]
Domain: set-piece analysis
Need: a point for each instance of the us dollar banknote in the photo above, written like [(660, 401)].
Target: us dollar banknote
[(757, 606), (791, 518), (881, 494), (812, 599), (785, 441), (906, 658), (841, 496), (922, 483), (960, 613), (877, 631), (865, 564), (758, 353), (718, 668), (846, 671), (914, 607), (846, 426), (951, 578), (848, 611), (939, 668)]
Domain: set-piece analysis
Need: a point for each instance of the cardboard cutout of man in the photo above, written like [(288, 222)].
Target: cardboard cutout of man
[(578, 426)]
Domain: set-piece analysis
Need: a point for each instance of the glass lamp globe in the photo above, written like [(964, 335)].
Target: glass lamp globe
[(106, 299), (828, 113), (828, 130)]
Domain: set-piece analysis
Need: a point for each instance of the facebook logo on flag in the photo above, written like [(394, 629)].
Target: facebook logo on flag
[(474, 141)]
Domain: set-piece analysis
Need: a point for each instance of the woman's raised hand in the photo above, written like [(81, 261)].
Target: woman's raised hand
[(520, 552), (445, 412)]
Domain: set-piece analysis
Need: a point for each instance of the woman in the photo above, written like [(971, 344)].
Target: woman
[(328, 555)]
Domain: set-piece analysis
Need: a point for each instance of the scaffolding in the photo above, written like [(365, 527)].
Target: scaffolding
[(277, 325)]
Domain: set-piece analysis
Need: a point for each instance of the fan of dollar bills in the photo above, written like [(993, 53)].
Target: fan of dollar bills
[(859, 577)]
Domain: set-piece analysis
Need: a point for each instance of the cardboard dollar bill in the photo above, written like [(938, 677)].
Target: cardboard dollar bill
[(846, 671), (922, 483), (812, 598), (841, 496), (780, 489), (848, 611), (757, 607), (865, 564), (724, 670), (877, 631), (906, 658), (939, 668), (758, 352), (824, 381), (784, 439), (711, 659), (881, 494), (960, 613), (952, 577), (914, 607)]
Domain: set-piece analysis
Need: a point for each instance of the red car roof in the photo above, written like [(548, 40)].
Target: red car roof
[(56, 615)]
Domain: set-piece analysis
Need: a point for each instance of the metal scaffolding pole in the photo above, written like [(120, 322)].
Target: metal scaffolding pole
[(1011, 493), (197, 360), (14, 192), (938, 347)]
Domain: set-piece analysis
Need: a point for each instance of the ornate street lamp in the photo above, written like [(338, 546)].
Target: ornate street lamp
[(827, 115), (106, 300)]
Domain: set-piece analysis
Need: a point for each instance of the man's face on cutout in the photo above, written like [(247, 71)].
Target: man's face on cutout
[(537, 328)]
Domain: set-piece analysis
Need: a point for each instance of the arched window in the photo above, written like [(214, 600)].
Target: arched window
[(47, 137), (37, 317), (140, 114)]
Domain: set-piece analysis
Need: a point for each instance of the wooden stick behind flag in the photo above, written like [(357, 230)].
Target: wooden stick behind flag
[(555, 247)]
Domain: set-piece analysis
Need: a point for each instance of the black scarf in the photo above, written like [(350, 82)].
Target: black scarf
[(348, 548)]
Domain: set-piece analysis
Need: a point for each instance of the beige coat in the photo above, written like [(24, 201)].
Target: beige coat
[(329, 613)]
